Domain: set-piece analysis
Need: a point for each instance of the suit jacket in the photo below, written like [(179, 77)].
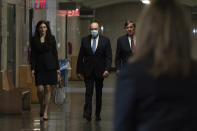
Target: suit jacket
[(89, 63), (44, 56), (123, 51), (144, 103)]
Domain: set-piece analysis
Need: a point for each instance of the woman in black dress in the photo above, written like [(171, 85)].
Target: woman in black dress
[(44, 64)]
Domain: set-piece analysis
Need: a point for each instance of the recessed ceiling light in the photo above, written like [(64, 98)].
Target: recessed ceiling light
[(145, 1)]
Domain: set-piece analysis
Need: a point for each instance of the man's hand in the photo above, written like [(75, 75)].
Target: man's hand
[(80, 76), (106, 74)]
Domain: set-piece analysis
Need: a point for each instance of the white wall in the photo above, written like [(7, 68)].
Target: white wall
[(51, 15)]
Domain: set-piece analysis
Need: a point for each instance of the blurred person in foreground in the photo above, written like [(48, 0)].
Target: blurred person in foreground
[(157, 90)]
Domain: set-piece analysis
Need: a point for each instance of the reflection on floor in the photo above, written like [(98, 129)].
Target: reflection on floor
[(67, 117)]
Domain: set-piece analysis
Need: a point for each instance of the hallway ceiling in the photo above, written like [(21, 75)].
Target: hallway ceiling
[(102, 3)]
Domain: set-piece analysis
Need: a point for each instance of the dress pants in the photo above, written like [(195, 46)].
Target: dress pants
[(90, 82)]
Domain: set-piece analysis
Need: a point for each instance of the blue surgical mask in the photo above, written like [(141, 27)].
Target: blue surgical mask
[(94, 33)]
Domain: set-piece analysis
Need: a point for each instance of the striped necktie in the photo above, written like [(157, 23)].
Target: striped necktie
[(132, 46)]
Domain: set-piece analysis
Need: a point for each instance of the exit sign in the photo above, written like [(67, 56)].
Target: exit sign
[(40, 4)]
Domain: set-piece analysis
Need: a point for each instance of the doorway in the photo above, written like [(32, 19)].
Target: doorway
[(0, 31), (11, 40)]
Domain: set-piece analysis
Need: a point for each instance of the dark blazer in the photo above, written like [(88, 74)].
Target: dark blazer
[(89, 63), (44, 56), (123, 51), (144, 103)]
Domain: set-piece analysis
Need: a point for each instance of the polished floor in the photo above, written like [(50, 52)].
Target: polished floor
[(67, 117)]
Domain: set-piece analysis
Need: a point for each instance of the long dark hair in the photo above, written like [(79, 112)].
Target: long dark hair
[(37, 32), (165, 38)]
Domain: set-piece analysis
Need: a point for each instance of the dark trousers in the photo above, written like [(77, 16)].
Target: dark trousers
[(90, 82)]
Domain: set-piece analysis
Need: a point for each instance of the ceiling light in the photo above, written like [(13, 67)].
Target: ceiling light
[(145, 1)]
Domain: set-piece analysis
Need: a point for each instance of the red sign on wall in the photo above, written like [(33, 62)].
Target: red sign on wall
[(40, 4), (70, 13)]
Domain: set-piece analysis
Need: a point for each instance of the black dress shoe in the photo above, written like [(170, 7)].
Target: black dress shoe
[(98, 118), (87, 117)]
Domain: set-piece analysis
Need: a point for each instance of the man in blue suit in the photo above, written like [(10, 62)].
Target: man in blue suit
[(125, 45), (93, 65)]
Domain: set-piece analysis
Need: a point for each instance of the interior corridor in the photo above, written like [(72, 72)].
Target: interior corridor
[(68, 117)]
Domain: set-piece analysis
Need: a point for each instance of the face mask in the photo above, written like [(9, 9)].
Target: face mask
[(94, 33)]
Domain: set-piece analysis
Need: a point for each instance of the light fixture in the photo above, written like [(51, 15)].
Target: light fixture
[(145, 1), (102, 28), (194, 31)]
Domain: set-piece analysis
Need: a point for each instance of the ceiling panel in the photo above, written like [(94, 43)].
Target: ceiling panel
[(102, 3)]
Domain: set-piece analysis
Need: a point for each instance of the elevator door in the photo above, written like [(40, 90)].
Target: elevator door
[(11, 39)]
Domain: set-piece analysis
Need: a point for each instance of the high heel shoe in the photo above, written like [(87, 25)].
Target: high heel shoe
[(45, 117)]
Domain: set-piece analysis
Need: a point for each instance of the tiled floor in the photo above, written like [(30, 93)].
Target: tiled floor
[(67, 117)]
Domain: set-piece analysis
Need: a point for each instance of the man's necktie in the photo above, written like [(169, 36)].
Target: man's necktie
[(132, 46), (94, 46)]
